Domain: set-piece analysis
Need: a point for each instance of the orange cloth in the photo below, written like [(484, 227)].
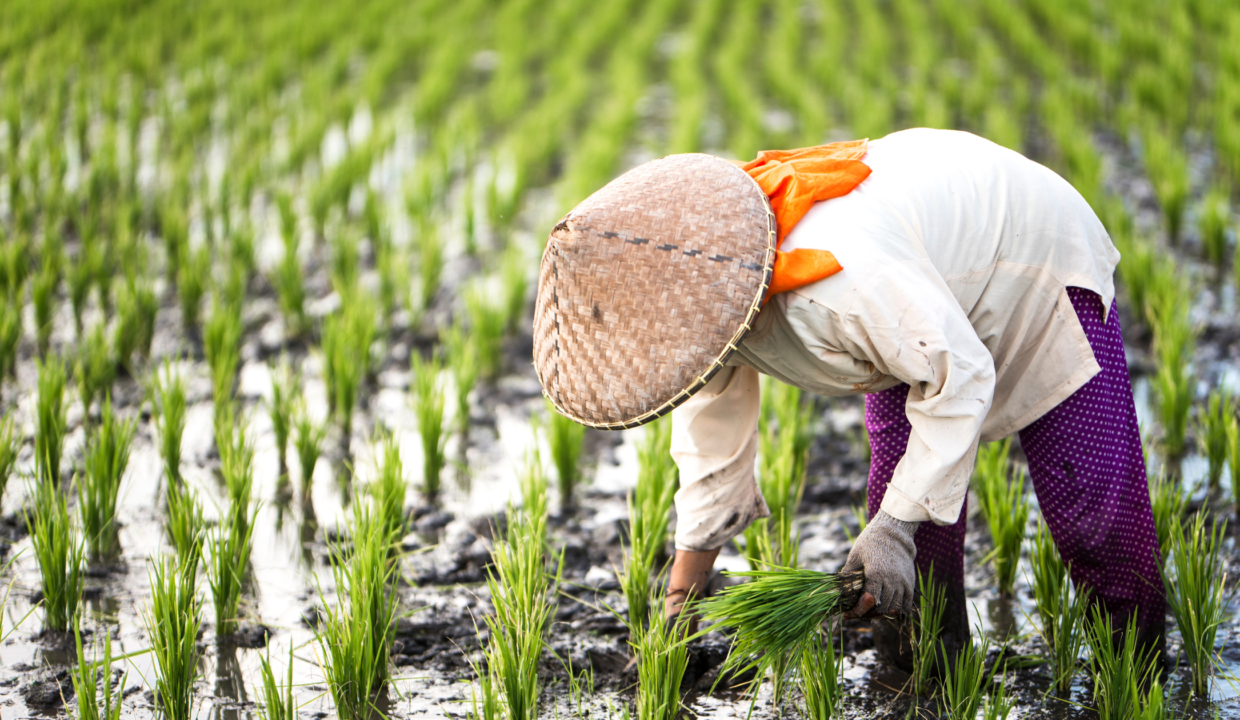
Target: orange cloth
[(794, 180)]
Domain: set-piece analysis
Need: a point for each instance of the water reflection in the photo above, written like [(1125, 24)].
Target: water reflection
[(229, 683)]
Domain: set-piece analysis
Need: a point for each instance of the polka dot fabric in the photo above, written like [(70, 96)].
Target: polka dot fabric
[(1088, 470)]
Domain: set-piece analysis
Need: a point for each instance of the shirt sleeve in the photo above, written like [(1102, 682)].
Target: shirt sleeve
[(909, 325), (714, 443)]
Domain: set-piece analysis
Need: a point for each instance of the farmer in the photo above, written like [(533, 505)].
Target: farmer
[(965, 290)]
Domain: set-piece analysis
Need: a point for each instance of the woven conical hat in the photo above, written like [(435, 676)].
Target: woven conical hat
[(647, 287)]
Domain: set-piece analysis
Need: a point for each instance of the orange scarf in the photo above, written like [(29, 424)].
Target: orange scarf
[(794, 180)]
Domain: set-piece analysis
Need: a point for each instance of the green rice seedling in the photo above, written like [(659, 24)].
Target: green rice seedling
[(533, 481), (390, 262), (486, 320), (192, 274), (784, 436), (107, 456), (184, 523), (1175, 339), (662, 652), (231, 544), (344, 262), (820, 670), (1007, 510), (1233, 462), (92, 679), (278, 701), (520, 594), (777, 612), (347, 336), (172, 621), (428, 405), (10, 446), (1168, 169), (136, 307), (565, 438), (430, 266), (50, 420), (998, 704), (992, 464), (60, 550), (650, 509), (355, 636), (1211, 431), (95, 368), (388, 489), (288, 280), (961, 691), (285, 387), (516, 284), (462, 357), (237, 461), (1120, 671), (1167, 501), (308, 440), (1061, 611), (43, 293), (1137, 268), (81, 275), (221, 343), (1195, 593), (1213, 221), (168, 392), (926, 626), (10, 336)]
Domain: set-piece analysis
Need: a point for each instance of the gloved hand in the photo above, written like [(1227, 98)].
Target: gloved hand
[(885, 551)]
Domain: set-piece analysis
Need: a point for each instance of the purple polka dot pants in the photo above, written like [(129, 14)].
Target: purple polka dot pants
[(1088, 470)]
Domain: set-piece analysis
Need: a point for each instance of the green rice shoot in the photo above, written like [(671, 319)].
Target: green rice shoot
[(1121, 671), (50, 421), (462, 358), (285, 389), (1006, 508), (1061, 612), (92, 682), (566, 439), (173, 620), (650, 507), (168, 393), (820, 672), (662, 652), (278, 702), (60, 550), (1211, 431), (388, 488), (1196, 596), (927, 625), (10, 446), (231, 544), (961, 691), (1167, 501), (95, 368), (107, 456), (184, 523), (308, 440), (428, 406)]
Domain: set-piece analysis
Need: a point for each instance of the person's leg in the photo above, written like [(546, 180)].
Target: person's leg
[(1088, 470), (940, 546)]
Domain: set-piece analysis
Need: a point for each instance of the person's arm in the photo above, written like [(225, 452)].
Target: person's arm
[(714, 442)]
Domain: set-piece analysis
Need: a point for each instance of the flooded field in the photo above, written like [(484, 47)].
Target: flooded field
[(349, 195)]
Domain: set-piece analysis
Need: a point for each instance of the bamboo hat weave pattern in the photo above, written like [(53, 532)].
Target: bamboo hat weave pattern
[(648, 286)]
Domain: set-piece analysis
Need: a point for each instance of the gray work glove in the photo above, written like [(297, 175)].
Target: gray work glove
[(885, 551)]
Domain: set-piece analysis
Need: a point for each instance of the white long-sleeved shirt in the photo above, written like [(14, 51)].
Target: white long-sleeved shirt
[(956, 255)]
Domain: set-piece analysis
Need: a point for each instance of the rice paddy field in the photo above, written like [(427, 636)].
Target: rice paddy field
[(272, 445)]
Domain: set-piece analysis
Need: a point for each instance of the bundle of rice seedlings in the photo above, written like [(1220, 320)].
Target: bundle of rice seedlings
[(278, 701), (428, 405), (1120, 671), (172, 621), (650, 507), (565, 438), (927, 624), (1007, 510), (221, 343), (520, 593), (60, 550), (193, 272), (462, 356), (184, 523), (168, 392), (662, 651), (285, 388), (10, 446), (1061, 612), (308, 441), (50, 421), (107, 456), (1211, 431), (232, 543), (777, 612), (515, 282), (486, 321), (95, 368), (1167, 501), (388, 489), (961, 691), (355, 637), (820, 670), (93, 679), (1195, 593)]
